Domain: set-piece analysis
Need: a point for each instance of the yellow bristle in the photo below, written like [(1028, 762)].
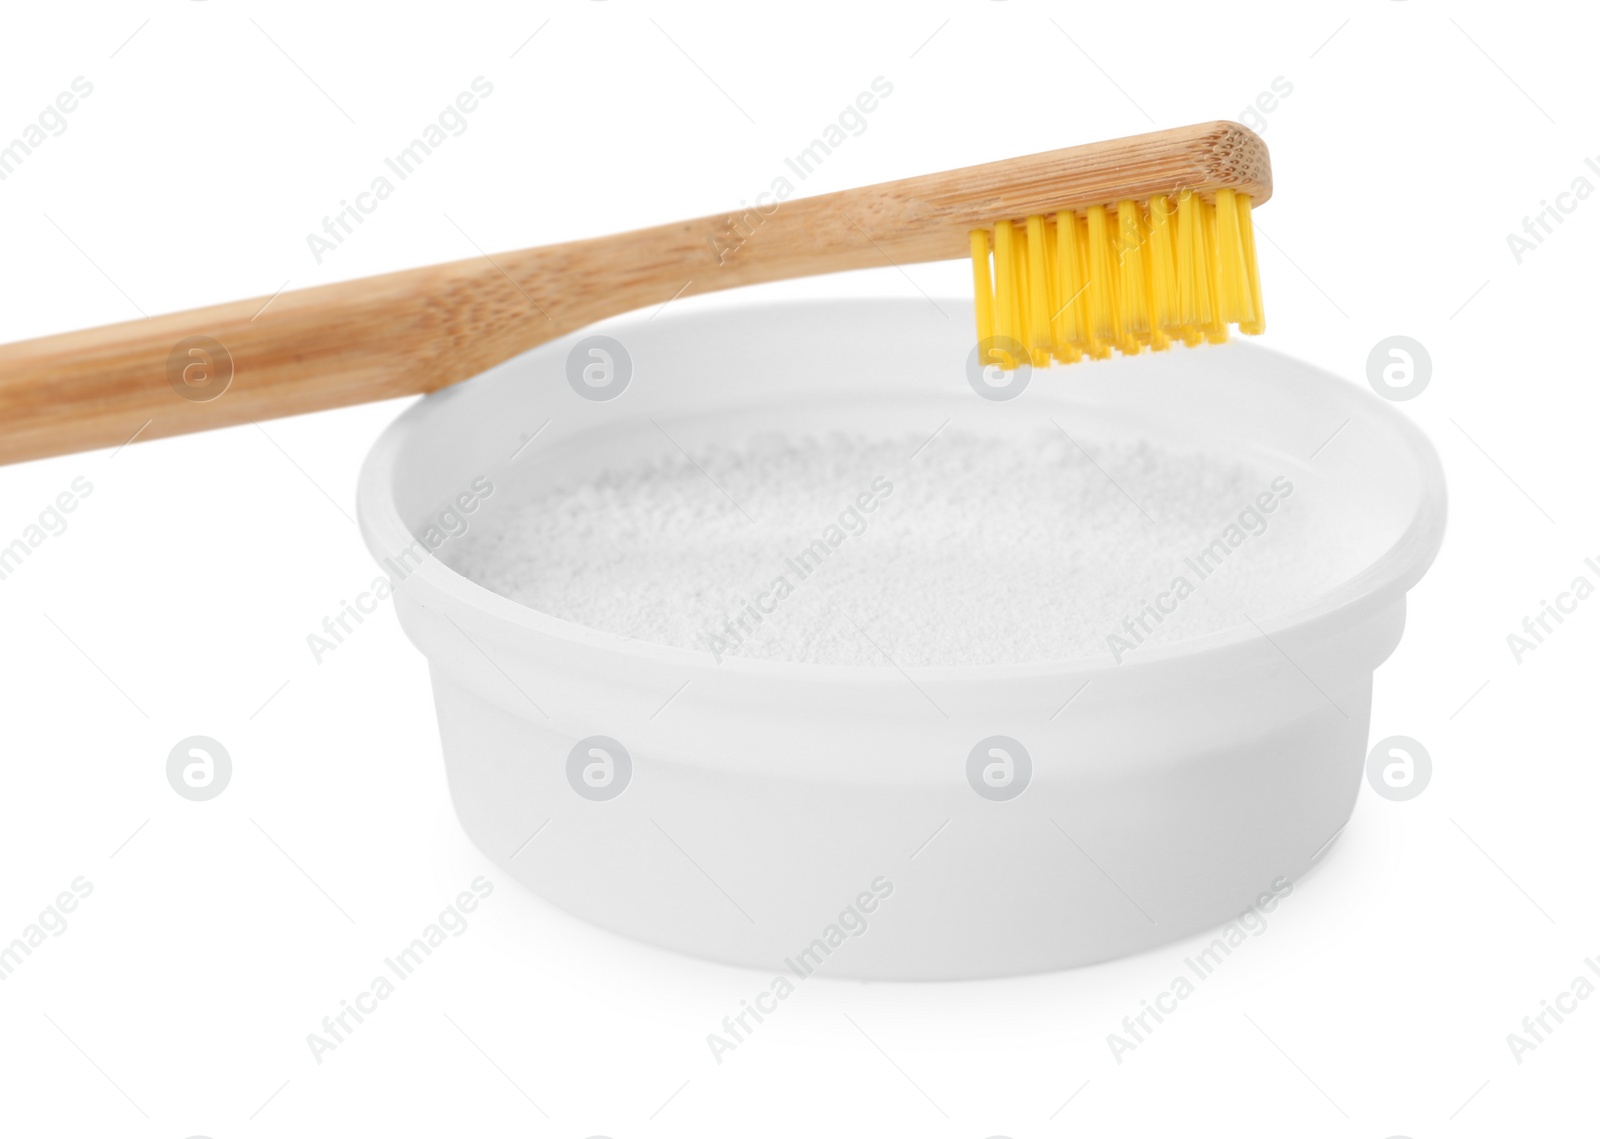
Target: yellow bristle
[(1216, 323), (1072, 309), (1093, 346), (1019, 262), (1134, 304), (982, 288), (1192, 271), (1161, 272), (1052, 281), (1104, 327), (1054, 346), (1118, 278), (1230, 261), (1247, 241), (1005, 285), (1039, 288)]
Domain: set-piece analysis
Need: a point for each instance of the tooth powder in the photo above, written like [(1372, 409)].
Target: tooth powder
[(901, 552)]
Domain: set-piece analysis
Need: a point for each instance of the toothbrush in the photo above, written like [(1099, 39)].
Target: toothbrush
[(1117, 246)]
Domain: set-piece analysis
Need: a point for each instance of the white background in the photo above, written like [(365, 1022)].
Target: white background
[(178, 601)]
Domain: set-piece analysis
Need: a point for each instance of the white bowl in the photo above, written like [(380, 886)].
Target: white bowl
[(800, 817)]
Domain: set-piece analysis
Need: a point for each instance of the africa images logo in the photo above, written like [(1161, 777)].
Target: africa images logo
[(599, 768), (999, 768)]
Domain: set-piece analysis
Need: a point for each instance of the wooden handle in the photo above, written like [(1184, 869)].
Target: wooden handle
[(419, 330)]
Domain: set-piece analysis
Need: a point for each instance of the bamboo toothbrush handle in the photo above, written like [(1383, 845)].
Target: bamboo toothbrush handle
[(422, 329)]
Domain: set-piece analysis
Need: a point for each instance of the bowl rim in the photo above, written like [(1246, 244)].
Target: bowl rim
[(1379, 585)]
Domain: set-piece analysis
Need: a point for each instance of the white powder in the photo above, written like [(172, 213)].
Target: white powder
[(851, 550)]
